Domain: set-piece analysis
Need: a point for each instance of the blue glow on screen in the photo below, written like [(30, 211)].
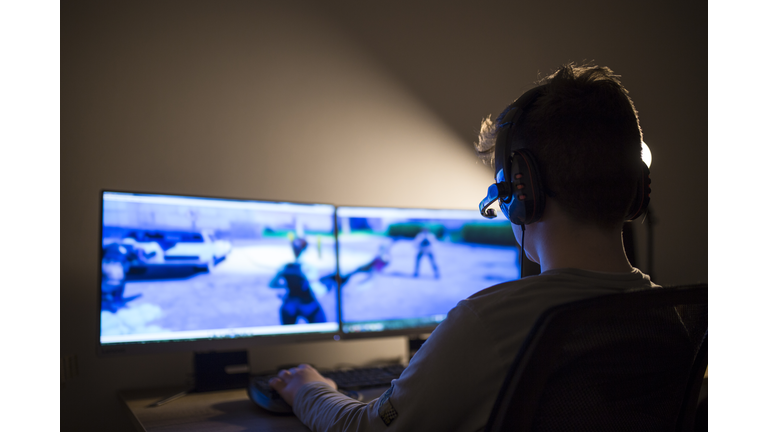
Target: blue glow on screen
[(403, 268), (181, 268)]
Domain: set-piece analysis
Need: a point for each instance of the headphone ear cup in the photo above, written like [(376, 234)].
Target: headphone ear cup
[(642, 194), (525, 205)]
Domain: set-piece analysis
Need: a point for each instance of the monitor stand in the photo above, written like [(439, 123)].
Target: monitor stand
[(415, 342), (214, 371)]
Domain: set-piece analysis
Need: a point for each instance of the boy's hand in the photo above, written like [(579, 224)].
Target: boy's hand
[(288, 382)]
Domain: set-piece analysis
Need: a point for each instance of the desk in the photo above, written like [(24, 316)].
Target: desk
[(221, 411)]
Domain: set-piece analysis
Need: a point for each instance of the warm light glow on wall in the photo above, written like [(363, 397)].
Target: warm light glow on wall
[(293, 109)]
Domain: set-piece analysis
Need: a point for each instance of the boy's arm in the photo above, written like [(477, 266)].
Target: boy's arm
[(450, 384)]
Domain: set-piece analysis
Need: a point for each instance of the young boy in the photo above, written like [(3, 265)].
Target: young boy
[(579, 130)]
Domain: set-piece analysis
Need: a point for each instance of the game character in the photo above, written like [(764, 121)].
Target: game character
[(299, 300), (424, 242), (376, 265), (115, 264)]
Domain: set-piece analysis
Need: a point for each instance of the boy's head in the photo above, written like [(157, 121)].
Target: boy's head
[(583, 131)]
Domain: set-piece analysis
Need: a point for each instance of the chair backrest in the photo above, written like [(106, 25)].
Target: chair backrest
[(621, 362)]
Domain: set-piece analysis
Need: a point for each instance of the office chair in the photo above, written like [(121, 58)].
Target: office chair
[(622, 362)]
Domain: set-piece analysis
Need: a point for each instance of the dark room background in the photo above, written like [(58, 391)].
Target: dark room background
[(342, 102)]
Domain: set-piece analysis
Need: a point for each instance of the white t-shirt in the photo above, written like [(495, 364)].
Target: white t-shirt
[(453, 380)]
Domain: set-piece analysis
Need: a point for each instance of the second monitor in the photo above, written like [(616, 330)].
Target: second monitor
[(402, 270)]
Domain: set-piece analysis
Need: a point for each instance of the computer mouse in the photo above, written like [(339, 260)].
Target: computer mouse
[(260, 392), (266, 397)]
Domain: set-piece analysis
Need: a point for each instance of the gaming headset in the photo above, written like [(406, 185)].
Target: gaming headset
[(518, 186)]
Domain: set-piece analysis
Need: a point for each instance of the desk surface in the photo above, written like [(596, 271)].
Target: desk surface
[(222, 411)]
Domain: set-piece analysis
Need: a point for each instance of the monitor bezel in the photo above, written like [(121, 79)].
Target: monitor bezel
[(213, 344)]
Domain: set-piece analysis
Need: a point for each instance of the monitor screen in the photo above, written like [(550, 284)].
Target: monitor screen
[(181, 268), (402, 270)]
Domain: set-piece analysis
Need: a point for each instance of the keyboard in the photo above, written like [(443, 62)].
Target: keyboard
[(362, 378)]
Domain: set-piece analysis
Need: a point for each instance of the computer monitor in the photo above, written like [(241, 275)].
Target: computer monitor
[(402, 270), (199, 274)]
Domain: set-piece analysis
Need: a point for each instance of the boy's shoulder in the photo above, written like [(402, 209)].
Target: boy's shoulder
[(553, 287)]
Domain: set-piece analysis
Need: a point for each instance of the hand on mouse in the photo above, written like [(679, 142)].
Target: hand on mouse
[(288, 382)]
